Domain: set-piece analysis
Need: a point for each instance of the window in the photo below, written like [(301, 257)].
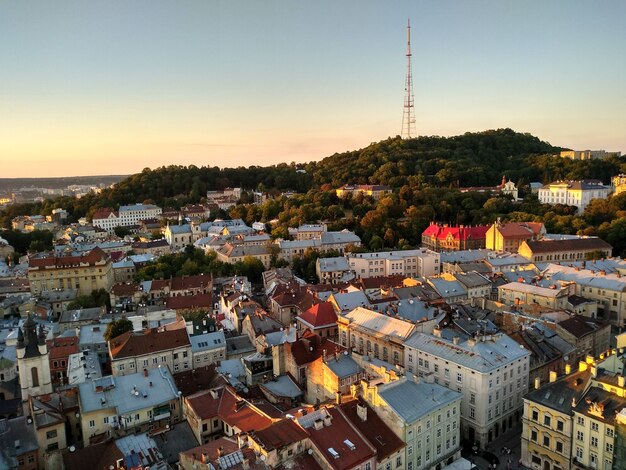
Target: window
[(535, 415), (581, 420), (594, 427), (446, 372), (472, 412), (120, 367), (609, 447), (533, 436), (409, 450), (559, 425), (580, 436), (594, 441), (546, 441), (609, 432), (51, 434), (546, 420), (92, 424), (459, 377), (398, 461), (34, 376), (579, 452), (559, 447)]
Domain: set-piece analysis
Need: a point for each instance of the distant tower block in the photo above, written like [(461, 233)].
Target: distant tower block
[(408, 116)]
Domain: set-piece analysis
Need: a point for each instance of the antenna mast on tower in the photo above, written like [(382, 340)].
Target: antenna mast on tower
[(408, 116)]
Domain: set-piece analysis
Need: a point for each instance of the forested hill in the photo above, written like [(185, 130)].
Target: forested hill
[(471, 159)]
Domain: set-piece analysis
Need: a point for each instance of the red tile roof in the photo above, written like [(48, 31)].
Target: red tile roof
[(517, 230), (124, 289), (279, 434), (311, 347), (373, 428), (94, 256), (335, 436), (441, 232), (230, 408), (104, 213), (132, 344), (321, 314), (190, 282), (182, 302)]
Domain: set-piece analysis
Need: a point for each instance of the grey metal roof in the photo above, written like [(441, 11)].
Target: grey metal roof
[(412, 401), (283, 386), (208, 341), (338, 263), (343, 365), (483, 356), (119, 391)]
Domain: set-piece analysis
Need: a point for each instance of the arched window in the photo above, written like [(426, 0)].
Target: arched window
[(35, 376)]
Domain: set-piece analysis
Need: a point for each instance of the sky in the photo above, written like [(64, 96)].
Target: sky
[(110, 87)]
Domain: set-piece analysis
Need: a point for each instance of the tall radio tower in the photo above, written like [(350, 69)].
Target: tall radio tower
[(408, 116)]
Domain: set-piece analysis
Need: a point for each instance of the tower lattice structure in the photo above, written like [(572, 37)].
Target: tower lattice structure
[(408, 115)]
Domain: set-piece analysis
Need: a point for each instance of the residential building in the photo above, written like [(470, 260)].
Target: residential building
[(491, 372), (548, 427), (573, 193), (574, 249), (336, 443), (410, 263), (588, 154), (515, 293), (509, 236), (438, 237), (279, 443), (333, 270), (309, 231), (375, 335), (476, 284), (619, 184), (221, 412), (208, 348), (126, 404), (590, 336), (320, 319), (24, 455), (334, 373), (426, 416), (126, 216), (85, 273), (164, 347), (375, 191), (232, 254)]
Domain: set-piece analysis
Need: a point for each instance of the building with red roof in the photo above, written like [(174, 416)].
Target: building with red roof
[(84, 272), (320, 319), (438, 237), (220, 411), (510, 236), (59, 350), (168, 347)]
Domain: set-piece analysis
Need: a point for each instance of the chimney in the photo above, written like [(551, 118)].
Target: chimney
[(552, 376), (582, 366), (537, 383), (568, 369), (327, 420), (205, 456), (456, 340), (589, 359), (387, 376), (245, 464), (594, 371), (621, 381), (437, 332), (361, 412), (338, 397)]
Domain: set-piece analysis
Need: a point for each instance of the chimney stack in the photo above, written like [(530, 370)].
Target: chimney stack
[(537, 383), (338, 397), (568, 369), (552, 376)]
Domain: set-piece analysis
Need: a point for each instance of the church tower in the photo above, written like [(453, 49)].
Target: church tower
[(32, 360)]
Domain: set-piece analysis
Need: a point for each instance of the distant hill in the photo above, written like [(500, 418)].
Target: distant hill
[(9, 184)]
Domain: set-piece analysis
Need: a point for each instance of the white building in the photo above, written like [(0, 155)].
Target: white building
[(573, 193), (490, 372), (126, 216), (420, 262)]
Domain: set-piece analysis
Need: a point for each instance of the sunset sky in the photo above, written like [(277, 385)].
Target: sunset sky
[(110, 87)]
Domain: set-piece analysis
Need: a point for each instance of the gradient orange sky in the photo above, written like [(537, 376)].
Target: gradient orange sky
[(89, 87)]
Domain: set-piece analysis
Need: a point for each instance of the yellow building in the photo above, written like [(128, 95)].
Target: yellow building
[(509, 236), (619, 184), (548, 421), (375, 191), (85, 273)]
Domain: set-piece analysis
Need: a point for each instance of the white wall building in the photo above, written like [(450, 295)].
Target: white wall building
[(420, 262), (573, 193), (490, 372)]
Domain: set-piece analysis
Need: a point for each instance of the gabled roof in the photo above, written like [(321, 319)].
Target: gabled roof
[(131, 344), (225, 404), (199, 281), (580, 326), (279, 434), (310, 348), (319, 315), (96, 255), (373, 428), (379, 323)]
